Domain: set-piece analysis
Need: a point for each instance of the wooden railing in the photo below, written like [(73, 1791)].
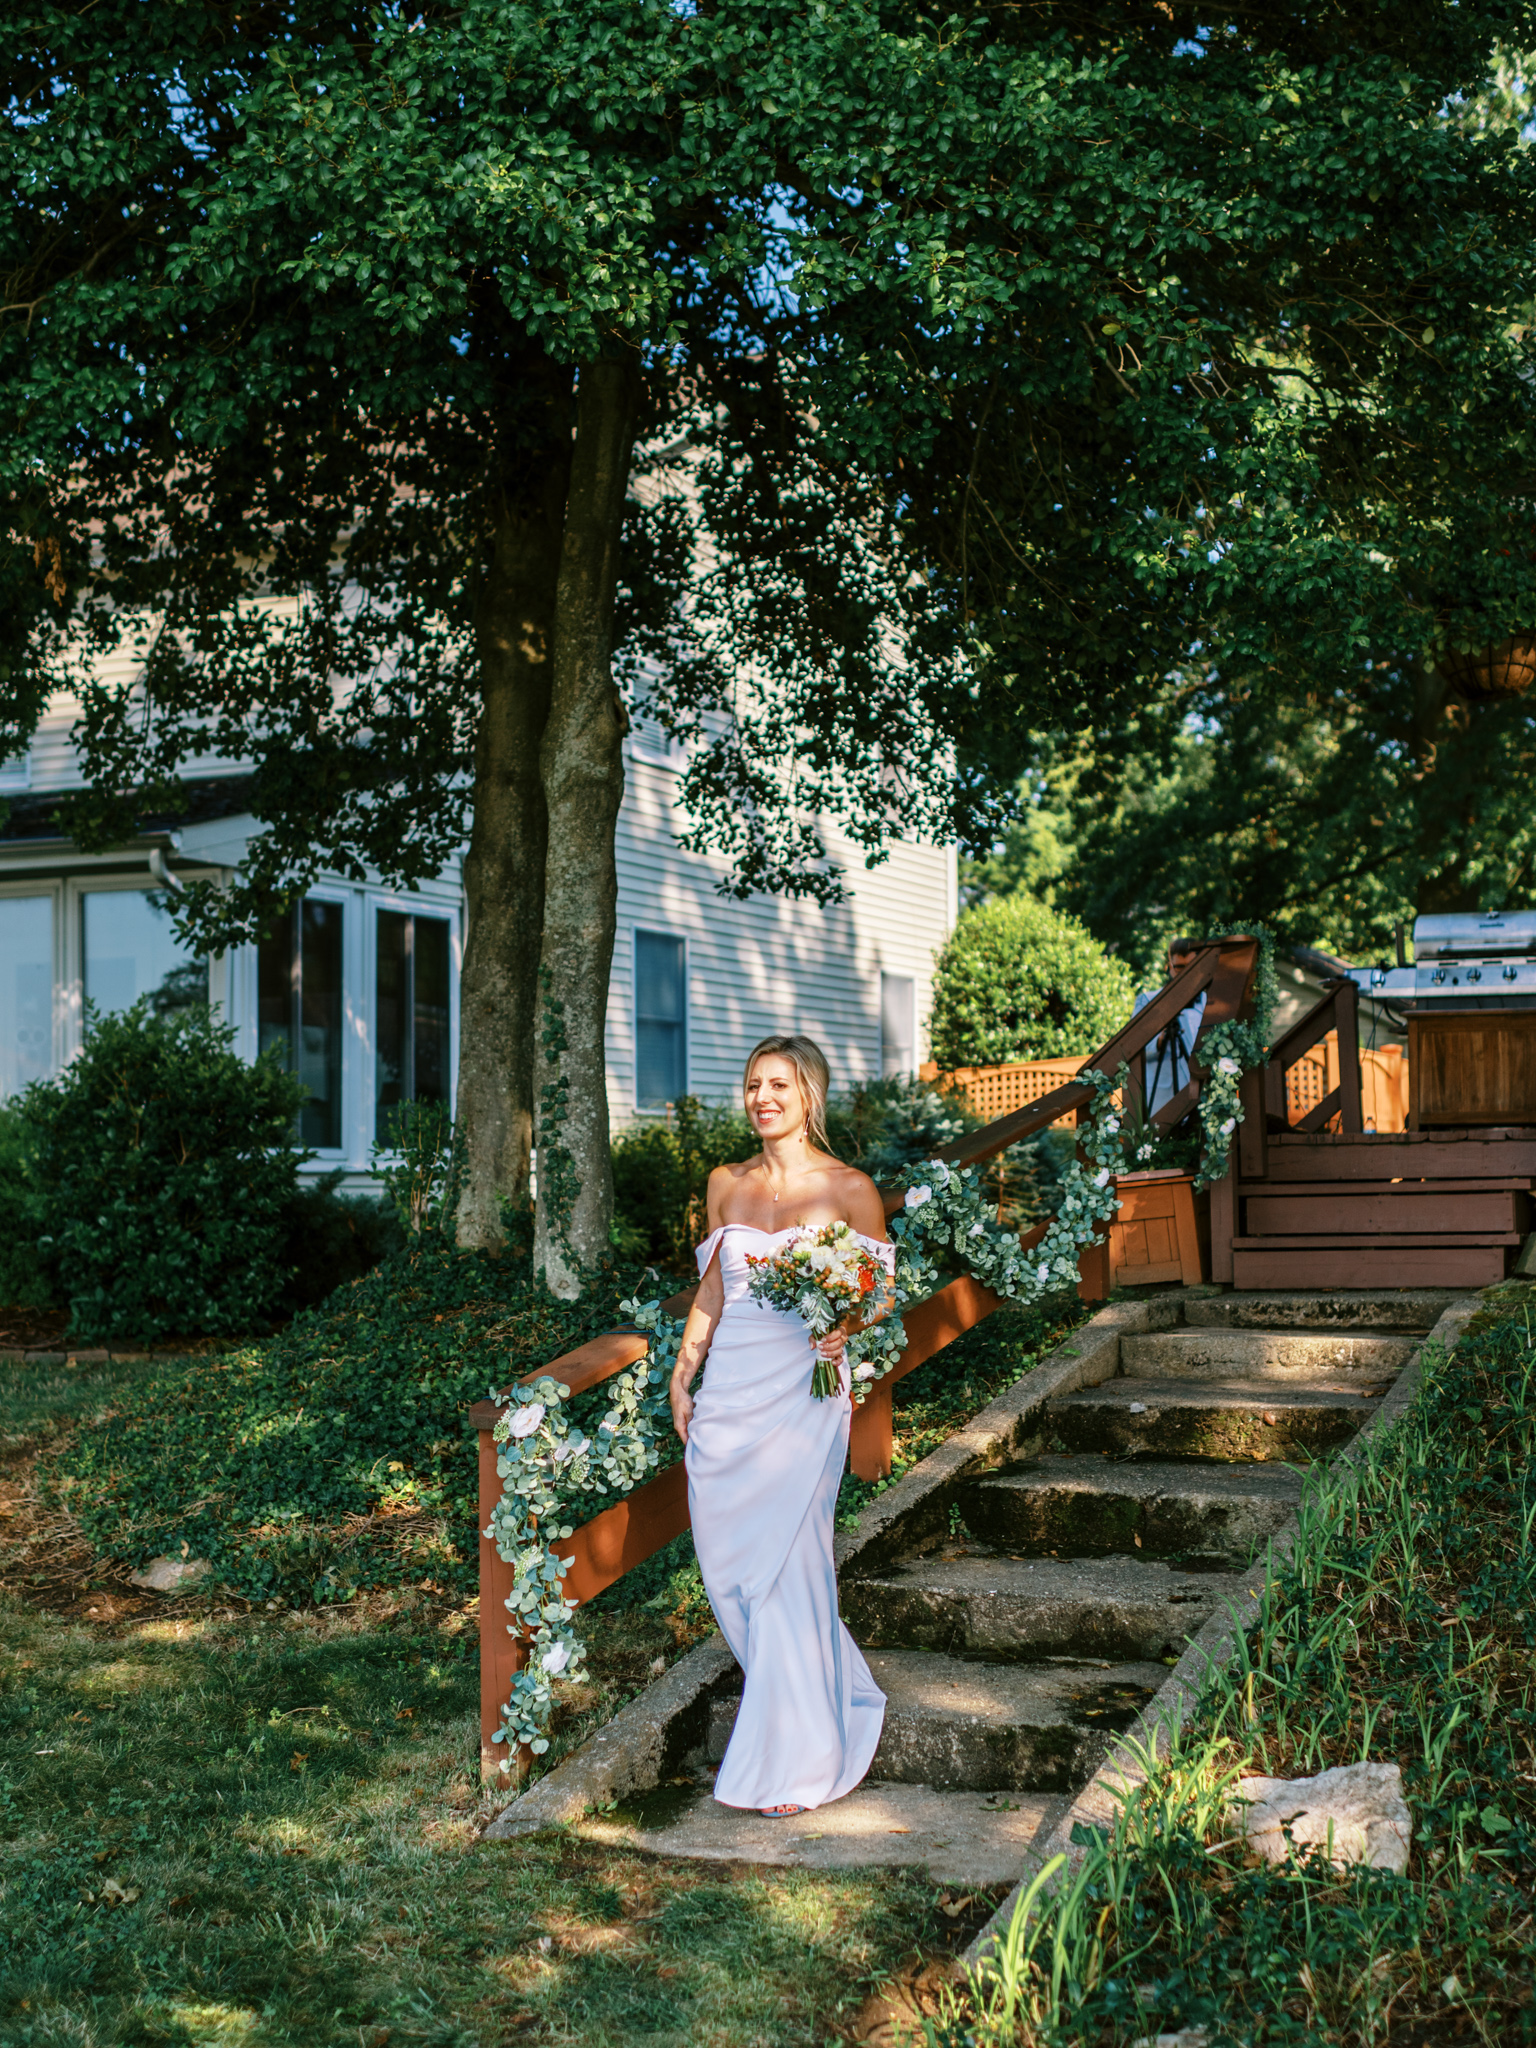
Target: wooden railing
[(602, 1550), (1338, 1011)]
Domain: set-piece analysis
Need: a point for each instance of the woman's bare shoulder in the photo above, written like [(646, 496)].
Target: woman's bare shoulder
[(717, 1192), (860, 1200), (733, 1170)]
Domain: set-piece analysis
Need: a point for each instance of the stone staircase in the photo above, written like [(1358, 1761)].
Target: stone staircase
[(1012, 1653)]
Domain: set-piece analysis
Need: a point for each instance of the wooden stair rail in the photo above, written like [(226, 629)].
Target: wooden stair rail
[(1339, 1010), (643, 1521)]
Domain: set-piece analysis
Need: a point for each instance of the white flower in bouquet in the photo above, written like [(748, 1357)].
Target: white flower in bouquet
[(864, 1372), (555, 1660), (526, 1420), (917, 1196), (1228, 1066)]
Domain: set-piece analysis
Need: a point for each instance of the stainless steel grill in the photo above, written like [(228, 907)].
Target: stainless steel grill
[(1476, 962)]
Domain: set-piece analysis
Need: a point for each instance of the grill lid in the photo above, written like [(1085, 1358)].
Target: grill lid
[(1467, 935)]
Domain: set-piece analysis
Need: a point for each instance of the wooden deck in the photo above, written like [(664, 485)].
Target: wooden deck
[(1443, 1208)]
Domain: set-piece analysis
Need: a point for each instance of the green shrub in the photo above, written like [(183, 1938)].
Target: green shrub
[(660, 1173), (337, 1455), (23, 1278), (163, 1177), (331, 1239), (1017, 981)]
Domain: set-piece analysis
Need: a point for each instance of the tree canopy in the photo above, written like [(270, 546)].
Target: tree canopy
[(1015, 354)]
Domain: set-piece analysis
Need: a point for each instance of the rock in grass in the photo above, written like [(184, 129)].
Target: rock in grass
[(171, 1574), (1355, 1812)]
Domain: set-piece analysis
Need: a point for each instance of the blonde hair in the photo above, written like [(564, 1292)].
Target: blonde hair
[(811, 1072)]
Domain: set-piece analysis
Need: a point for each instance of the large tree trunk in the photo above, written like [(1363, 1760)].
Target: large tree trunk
[(504, 868), (583, 772)]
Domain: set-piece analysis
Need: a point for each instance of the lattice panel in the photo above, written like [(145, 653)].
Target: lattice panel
[(998, 1091)]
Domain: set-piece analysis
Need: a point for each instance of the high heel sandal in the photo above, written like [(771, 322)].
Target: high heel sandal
[(780, 1812)]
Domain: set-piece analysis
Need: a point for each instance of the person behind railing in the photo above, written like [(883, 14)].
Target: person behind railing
[(1167, 1057), (765, 1459)]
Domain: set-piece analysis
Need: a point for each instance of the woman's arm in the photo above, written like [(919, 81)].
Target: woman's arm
[(698, 1333)]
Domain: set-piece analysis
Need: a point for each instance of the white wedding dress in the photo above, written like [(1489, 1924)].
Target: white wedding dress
[(764, 1462)]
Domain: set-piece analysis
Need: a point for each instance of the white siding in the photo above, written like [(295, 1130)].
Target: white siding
[(754, 967), (766, 964), (54, 762)]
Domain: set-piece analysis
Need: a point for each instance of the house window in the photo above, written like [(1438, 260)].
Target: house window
[(26, 991), (661, 1019), (411, 988), (898, 1024), (299, 1010), (129, 950)]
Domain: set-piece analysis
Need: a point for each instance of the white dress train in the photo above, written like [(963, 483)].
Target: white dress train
[(764, 1462)]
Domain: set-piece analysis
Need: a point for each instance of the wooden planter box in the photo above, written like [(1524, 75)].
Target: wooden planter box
[(1163, 1231)]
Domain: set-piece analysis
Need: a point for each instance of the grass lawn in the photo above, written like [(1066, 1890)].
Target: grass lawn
[(229, 1821)]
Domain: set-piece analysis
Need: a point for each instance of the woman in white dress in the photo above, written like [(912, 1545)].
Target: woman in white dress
[(765, 1458)]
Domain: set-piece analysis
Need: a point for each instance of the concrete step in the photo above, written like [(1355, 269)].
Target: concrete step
[(1032, 1608), (962, 1724), (959, 1838), (1224, 1420), (1281, 1355), (1092, 1506), (1333, 1308)]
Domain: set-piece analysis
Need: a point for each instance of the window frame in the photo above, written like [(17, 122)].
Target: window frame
[(53, 887), (650, 931), (893, 974), (447, 910), (69, 958)]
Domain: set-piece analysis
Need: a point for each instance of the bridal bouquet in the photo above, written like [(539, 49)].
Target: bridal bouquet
[(824, 1276)]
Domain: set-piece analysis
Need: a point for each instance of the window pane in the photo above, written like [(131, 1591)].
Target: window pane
[(898, 1033), (430, 960), (26, 990), (277, 971), (661, 1003), (320, 1022), (131, 951), (392, 996)]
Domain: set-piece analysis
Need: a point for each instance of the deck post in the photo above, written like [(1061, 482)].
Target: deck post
[(502, 1653), (871, 1442), (1346, 1017), (1253, 1131), (1224, 1218)]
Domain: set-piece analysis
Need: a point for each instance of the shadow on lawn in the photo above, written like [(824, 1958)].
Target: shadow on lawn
[(225, 1825)]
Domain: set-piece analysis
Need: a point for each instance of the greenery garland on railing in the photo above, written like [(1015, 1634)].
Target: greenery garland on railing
[(546, 1463), (1230, 1051)]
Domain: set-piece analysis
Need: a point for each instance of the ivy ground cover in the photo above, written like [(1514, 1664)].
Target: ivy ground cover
[(1404, 1629), (252, 1816), (226, 1824)]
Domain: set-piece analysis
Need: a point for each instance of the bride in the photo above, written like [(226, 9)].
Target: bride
[(764, 1458)]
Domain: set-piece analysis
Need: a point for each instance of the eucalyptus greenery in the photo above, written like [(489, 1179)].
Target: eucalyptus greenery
[(547, 1464), (1228, 1051)]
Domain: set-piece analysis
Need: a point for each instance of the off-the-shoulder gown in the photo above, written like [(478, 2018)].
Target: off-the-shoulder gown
[(764, 1461)]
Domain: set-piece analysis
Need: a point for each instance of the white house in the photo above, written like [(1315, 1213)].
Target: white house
[(361, 991)]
